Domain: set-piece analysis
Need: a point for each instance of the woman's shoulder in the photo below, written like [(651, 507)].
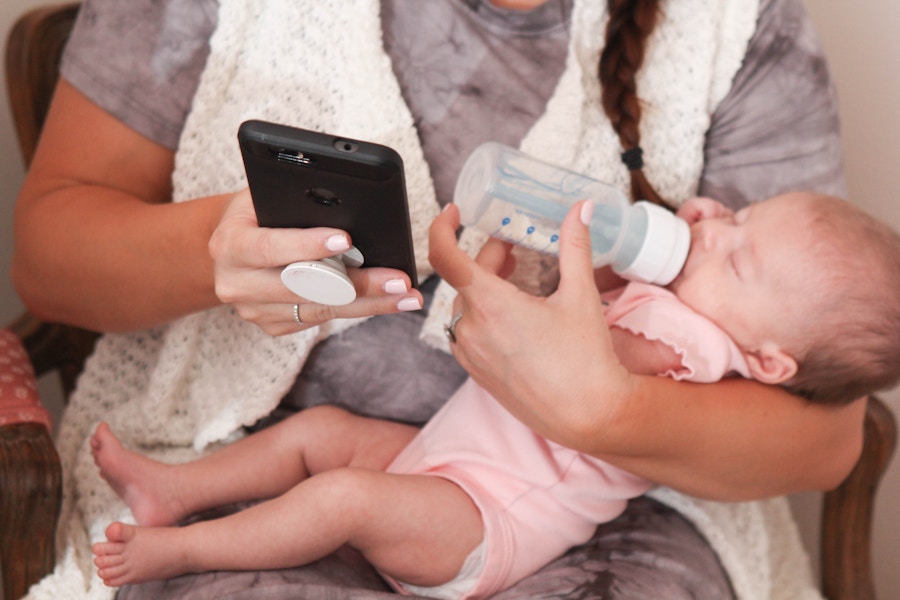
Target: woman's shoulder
[(141, 59), (778, 127)]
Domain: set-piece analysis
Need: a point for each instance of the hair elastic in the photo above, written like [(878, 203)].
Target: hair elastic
[(633, 158)]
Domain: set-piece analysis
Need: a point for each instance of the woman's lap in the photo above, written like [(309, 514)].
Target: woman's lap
[(650, 551)]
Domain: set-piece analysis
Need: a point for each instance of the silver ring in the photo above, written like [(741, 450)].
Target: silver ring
[(450, 328), (297, 315)]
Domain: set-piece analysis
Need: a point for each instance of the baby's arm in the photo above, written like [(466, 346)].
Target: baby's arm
[(642, 356)]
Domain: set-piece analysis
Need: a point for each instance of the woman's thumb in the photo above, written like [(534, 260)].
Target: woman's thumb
[(575, 267)]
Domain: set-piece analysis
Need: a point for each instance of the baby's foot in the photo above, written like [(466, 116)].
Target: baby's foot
[(134, 554), (146, 485)]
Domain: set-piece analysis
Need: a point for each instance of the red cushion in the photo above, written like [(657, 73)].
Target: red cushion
[(19, 401)]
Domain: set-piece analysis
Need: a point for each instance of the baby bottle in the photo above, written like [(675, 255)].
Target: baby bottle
[(512, 196)]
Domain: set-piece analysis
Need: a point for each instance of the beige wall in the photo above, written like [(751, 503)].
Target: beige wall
[(863, 47), (10, 168), (860, 39)]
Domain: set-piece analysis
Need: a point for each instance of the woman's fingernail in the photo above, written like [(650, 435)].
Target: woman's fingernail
[(395, 286), (587, 211), (408, 304), (337, 243)]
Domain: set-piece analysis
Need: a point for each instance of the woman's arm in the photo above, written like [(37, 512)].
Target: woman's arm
[(550, 361), (97, 242), (733, 440), (100, 244)]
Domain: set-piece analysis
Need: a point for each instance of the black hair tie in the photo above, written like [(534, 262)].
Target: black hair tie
[(633, 158)]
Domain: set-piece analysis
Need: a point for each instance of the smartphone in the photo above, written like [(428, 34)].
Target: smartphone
[(303, 178)]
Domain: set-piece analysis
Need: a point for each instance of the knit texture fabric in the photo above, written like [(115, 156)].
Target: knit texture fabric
[(175, 391)]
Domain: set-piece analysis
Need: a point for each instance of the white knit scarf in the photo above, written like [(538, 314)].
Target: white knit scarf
[(174, 390)]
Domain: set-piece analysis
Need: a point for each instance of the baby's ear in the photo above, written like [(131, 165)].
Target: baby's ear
[(700, 207), (770, 364)]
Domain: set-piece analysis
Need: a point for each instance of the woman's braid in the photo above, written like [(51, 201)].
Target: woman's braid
[(630, 24)]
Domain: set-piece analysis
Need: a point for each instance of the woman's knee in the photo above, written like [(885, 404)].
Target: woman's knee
[(650, 551)]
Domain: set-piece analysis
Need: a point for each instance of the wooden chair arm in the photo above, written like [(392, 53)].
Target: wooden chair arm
[(54, 347), (847, 512), (30, 470), (30, 500), (43, 32)]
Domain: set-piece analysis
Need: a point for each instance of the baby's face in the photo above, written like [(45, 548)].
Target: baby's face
[(749, 271)]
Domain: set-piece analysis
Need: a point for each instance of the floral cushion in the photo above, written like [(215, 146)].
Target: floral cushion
[(19, 401)]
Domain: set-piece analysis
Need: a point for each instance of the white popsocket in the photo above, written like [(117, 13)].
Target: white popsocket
[(324, 281)]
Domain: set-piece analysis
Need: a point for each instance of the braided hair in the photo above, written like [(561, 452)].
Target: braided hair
[(630, 24)]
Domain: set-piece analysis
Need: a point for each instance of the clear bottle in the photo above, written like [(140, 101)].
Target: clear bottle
[(512, 196)]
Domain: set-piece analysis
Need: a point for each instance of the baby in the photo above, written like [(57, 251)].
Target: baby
[(801, 290)]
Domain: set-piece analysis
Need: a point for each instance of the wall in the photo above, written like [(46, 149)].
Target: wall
[(11, 171), (862, 45)]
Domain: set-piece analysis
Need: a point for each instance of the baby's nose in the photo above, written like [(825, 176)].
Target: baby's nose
[(711, 233), (704, 234)]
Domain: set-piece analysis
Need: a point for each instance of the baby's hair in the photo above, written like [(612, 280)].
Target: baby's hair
[(630, 24), (855, 346)]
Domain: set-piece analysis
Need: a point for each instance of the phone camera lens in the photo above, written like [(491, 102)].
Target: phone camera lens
[(323, 196)]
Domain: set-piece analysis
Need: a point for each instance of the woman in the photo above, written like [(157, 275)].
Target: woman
[(194, 285)]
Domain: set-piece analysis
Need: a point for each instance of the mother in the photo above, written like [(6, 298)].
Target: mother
[(134, 182)]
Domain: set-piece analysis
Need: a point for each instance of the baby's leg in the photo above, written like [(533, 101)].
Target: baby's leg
[(418, 529), (263, 465)]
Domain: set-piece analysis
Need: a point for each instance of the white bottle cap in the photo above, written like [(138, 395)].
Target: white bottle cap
[(665, 248)]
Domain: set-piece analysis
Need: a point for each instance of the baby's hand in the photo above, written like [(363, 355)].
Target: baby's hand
[(700, 207)]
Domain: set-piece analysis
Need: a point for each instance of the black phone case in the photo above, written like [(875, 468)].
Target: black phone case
[(302, 178)]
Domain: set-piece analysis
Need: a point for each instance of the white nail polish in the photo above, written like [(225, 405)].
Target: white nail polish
[(408, 304), (587, 211), (337, 243), (395, 286)]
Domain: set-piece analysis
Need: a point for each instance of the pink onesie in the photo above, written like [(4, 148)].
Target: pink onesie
[(538, 498)]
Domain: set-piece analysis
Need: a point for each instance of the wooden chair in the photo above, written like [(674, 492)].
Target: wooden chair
[(30, 489), (30, 474)]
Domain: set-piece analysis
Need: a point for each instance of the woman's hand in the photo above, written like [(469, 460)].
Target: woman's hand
[(99, 244), (248, 260), (526, 349)]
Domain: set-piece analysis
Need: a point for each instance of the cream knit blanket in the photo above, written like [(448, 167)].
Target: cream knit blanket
[(176, 390)]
